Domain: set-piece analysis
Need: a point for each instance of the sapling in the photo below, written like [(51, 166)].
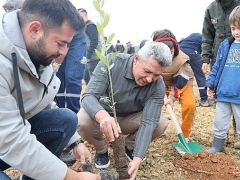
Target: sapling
[(118, 145)]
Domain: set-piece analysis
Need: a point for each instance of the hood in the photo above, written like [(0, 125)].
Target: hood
[(194, 37), (11, 35)]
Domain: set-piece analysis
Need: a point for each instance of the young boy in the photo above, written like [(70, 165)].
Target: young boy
[(222, 84)]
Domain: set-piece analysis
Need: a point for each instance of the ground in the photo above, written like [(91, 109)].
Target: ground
[(163, 162)]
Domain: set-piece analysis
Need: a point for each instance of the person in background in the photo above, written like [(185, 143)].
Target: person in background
[(178, 79), (215, 29), (93, 42), (109, 47), (191, 46), (222, 84), (33, 133), (70, 74), (130, 49), (139, 99), (119, 47)]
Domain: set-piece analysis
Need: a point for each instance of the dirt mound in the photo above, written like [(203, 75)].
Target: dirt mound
[(204, 166)]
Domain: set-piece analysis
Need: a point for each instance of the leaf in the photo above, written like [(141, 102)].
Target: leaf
[(100, 29), (112, 56), (106, 19), (110, 38), (111, 66), (101, 57), (96, 5)]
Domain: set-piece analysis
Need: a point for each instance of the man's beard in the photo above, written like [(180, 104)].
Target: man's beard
[(37, 54)]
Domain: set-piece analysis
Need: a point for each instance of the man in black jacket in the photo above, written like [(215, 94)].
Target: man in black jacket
[(93, 43)]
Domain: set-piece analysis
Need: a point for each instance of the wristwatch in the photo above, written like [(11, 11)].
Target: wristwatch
[(74, 144)]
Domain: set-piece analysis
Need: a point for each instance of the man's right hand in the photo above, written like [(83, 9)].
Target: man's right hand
[(109, 128), (205, 68), (72, 175)]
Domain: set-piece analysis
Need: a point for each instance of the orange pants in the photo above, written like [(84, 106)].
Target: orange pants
[(188, 109)]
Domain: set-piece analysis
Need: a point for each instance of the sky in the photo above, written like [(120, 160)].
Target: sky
[(135, 20)]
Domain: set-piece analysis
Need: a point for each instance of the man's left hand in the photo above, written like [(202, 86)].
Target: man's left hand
[(133, 167), (82, 155)]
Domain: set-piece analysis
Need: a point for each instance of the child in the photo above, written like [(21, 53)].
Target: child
[(178, 78), (222, 83)]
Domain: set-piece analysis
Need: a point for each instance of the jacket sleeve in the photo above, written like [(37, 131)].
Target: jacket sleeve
[(18, 147), (92, 34), (211, 80), (208, 35), (97, 87), (149, 120)]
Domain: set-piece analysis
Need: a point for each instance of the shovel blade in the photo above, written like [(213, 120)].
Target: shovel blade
[(193, 147)]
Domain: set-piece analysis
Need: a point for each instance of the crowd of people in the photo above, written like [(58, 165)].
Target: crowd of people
[(43, 119)]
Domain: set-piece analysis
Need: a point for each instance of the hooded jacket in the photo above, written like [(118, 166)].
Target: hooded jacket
[(216, 28), (18, 147)]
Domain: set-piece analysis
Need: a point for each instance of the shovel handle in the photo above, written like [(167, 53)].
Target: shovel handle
[(174, 119)]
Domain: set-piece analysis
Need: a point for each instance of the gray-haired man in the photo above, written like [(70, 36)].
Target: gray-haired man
[(139, 97)]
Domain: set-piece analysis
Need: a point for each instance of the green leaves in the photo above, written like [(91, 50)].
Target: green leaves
[(102, 55)]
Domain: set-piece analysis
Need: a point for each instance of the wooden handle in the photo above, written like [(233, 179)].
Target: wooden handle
[(174, 119)]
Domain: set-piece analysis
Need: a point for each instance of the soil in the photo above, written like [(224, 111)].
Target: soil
[(163, 162), (209, 166)]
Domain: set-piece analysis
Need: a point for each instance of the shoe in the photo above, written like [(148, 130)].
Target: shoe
[(129, 154), (102, 160), (206, 103), (67, 157)]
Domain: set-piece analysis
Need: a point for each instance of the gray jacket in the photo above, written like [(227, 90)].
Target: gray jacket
[(18, 147)]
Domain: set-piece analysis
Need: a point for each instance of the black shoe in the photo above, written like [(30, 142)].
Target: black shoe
[(129, 154), (102, 160), (68, 157)]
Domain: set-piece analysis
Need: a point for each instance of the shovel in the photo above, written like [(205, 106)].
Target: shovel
[(183, 146)]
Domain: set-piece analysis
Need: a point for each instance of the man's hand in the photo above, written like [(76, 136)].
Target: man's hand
[(133, 167), (72, 175), (109, 128), (82, 155), (205, 68), (210, 93)]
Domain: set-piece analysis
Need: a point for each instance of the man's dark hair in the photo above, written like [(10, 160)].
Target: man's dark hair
[(51, 13), (82, 10)]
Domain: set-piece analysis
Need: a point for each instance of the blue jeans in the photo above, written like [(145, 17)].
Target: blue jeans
[(89, 68), (196, 65), (70, 74), (53, 128)]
